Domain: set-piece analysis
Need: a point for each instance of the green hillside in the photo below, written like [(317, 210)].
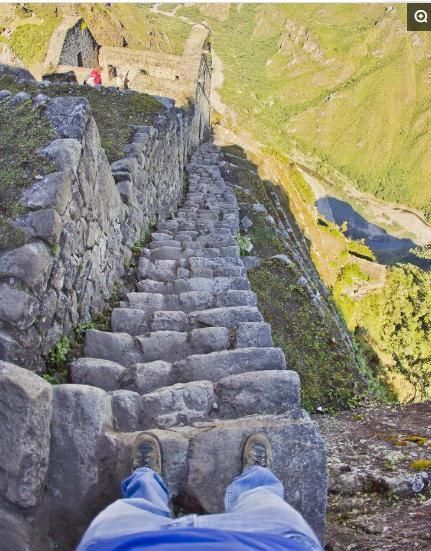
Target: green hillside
[(346, 83)]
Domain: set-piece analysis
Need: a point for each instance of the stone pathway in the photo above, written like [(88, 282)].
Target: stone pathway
[(191, 358)]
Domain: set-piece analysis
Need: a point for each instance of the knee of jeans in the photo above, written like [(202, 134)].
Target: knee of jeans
[(270, 503)]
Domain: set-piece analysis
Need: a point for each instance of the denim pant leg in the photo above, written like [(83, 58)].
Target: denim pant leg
[(144, 507), (254, 502)]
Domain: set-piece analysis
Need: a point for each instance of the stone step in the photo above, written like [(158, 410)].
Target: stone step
[(214, 458), (172, 346), (200, 461), (210, 243), (216, 365), (161, 270), (214, 263), (250, 393), (178, 253), (140, 345), (101, 373), (225, 317), (190, 301), (201, 242), (117, 347), (177, 404), (195, 214), (151, 286), (217, 271), (210, 204), (169, 270), (210, 285), (174, 405), (264, 392), (252, 334), (143, 378), (186, 235), (158, 236), (177, 225), (165, 243), (136, 321)]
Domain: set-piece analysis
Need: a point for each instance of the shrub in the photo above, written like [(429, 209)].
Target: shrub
[(245, 244), (58, 354)]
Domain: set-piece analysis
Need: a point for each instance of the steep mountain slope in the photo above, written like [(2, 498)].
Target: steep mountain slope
[(346, 83)]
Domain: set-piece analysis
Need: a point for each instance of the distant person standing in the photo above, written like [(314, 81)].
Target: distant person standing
[(95, 77)]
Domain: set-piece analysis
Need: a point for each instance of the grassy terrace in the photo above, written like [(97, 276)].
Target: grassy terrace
[(113, 111), (23, 131)]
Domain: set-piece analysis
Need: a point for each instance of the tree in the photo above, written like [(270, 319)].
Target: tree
[(403, 323)]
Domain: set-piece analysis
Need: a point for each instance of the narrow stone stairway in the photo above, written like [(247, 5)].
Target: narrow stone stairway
[(191, 358)]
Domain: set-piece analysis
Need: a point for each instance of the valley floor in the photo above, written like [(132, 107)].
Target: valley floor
[(379, 462)]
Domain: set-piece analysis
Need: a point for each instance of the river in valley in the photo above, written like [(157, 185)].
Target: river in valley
[(390, 231)]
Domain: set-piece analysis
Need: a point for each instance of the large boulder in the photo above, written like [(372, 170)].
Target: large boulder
[(81, 414), (69, 116), (215, 459), (16, 533), (45, 224), (266, 392), (25, 412)]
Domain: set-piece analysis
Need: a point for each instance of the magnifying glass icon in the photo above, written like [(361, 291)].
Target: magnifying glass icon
[(421, 16)]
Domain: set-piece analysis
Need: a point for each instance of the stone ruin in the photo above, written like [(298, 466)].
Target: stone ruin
[(74, 49), (72, 44)]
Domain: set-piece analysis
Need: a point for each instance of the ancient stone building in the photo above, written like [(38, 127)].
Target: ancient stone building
[(73, 48), (72, 44), (162, 74)]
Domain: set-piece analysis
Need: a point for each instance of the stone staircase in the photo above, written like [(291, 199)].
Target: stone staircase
[(191, 358)]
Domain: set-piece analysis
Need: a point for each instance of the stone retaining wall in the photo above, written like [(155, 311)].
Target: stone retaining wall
[(83, 219)]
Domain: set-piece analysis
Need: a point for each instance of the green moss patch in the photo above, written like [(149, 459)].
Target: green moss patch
[(421, 464)]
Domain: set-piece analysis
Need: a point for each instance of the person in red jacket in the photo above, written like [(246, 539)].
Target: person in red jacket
[(256, 517), (95, 77)]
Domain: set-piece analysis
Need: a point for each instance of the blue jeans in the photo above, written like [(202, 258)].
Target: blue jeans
[(253, 503)]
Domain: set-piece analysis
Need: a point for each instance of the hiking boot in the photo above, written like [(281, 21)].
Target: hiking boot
[(257, 451), (146, 452)]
